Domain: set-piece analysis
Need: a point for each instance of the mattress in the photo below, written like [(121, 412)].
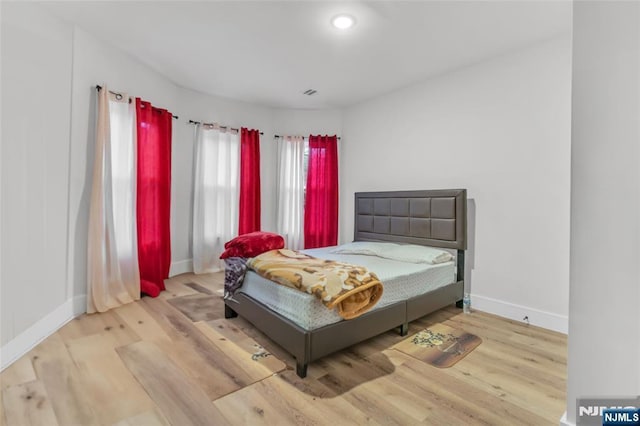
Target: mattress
[(401, 281)]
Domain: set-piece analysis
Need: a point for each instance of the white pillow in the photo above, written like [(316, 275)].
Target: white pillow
[(369, 248), (416, 254)]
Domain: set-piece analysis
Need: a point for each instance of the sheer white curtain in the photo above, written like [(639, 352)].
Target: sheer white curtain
[(216, 195), (112, 249), (290, 191)]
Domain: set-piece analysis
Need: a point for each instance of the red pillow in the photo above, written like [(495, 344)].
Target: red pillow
[(252, 244)]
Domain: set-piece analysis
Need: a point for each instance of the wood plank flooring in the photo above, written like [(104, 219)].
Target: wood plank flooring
[(175, 360)]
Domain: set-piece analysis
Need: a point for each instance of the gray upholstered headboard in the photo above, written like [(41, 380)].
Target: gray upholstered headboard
[(435, 218)]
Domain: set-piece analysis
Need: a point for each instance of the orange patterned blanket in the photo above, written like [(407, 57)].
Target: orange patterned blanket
[(352, 289)]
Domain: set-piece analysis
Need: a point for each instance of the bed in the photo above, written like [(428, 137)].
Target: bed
[(435, 218)]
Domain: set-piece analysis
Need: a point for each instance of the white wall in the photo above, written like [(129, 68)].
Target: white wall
[(308, 122), (36, 105), (49, 72), (604, 322), (199, 107), (501, 129), (511, 152), (95, 62), (292, 122)]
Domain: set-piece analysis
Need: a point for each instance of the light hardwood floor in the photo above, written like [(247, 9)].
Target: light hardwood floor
[(175, 360)]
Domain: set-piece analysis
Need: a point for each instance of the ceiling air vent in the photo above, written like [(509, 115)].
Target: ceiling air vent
[(310, 92)]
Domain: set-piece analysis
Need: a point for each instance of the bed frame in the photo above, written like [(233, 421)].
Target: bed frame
[(436, 218)]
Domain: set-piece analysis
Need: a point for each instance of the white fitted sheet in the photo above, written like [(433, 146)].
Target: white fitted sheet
[(401, 281)]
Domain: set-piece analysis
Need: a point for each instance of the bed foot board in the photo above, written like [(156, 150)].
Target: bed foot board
[(301, 369), (229, 313), (404, 329), (459, 304)]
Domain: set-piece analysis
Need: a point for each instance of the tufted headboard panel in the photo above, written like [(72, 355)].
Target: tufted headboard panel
[(436, 218)]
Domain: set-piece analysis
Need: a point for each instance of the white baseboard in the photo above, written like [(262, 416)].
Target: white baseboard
[(548, 320), (28, 339), (564, 421), (79, 305), (180, 267)]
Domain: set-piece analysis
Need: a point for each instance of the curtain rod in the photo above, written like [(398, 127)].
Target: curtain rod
[(303, 137), (214, 124), (119, 97)]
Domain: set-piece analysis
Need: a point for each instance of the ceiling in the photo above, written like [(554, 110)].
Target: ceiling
[(269, 52)]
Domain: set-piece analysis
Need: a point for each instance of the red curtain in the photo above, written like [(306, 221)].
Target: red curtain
[(249, 181), (153, 196), (321, 202)]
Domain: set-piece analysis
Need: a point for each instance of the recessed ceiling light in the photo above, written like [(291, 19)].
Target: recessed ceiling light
[(343, 22)]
